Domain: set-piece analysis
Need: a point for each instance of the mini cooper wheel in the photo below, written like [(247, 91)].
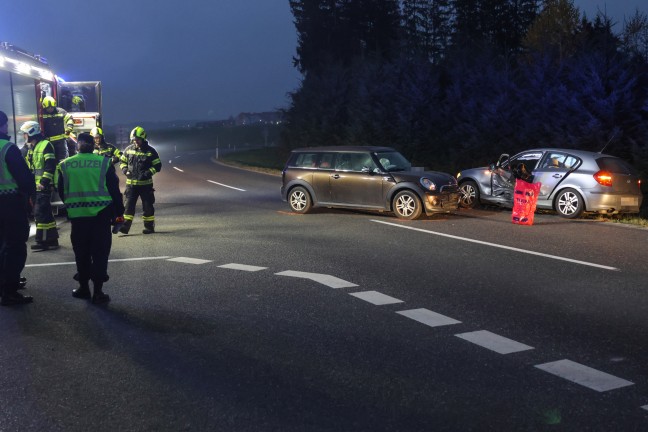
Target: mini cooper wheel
[(300, 200), (407, 205), (469, 194), (569, 204)]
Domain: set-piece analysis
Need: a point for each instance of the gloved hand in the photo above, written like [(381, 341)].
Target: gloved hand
[(117, 223), (128, 174)]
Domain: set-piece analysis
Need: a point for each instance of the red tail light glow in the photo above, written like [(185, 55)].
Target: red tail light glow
[(603, 178)]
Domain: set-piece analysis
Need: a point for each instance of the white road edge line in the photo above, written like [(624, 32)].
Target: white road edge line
[(178, 169), (499, 246), (112, 260), (584, 375), (224, 185)]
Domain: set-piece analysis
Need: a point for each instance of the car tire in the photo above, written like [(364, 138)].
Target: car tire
[(407, 205), (469, 194), (569, 204), (299, 200)]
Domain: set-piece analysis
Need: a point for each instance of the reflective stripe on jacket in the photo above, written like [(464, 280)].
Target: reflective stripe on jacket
[(85, 190), (143, 163), (8, 184)]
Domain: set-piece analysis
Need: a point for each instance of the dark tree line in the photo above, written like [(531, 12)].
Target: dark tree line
[(452, 83)]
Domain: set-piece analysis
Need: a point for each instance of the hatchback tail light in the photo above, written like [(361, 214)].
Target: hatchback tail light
[(603, 178)]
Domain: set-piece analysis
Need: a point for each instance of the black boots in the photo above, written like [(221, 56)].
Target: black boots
[(46, 245), (82, 292), (98, 296), (149, 228), (11, 296), (125, 227)]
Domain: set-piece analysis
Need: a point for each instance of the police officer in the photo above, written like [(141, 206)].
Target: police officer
[(55, 122), (16, 185), (89, 187), (42, 161), (139, 163), (103, 148)]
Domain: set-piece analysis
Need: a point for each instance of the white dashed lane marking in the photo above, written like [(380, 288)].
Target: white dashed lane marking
[(494, 342), (428, 317), (244, 267), (374, 297), (189, 260), (324, 279), (499, 246), (584, 375), (224, 185), (176, 168)]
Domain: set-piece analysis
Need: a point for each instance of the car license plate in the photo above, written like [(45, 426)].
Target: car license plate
[(629, 201)]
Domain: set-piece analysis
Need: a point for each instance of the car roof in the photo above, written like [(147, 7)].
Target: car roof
[(579, 153), (344, 149)]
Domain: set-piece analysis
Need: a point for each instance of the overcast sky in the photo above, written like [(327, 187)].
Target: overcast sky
[(180, 60)]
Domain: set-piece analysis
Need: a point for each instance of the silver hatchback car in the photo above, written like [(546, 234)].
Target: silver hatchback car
[(573, 182)]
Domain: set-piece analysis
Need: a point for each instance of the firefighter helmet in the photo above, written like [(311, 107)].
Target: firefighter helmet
[(31, 128), (49, 101), (138, 132), (96, 131), (76, 100)]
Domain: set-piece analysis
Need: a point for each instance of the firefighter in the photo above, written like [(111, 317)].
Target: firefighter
[(16, 186), (55, 121), (42, 161), (103, 148), (139, 163), (89, 187)]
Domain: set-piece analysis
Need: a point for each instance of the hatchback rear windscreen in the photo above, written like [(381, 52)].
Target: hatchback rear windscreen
[(616, 166)]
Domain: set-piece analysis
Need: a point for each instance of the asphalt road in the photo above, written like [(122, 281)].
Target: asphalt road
[(238, 315)]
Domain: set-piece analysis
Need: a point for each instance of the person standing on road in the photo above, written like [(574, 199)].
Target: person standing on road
[(89, 187), (55, 121), (139, 163), (103, 148), (16, 186), (42, 161)]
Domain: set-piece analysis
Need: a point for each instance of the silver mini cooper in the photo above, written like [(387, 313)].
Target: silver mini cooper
[(573, 182)]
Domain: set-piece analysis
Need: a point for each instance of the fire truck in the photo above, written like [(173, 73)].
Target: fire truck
[(26, 78)]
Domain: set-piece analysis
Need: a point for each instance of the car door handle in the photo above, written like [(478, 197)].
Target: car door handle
[(336, 176), (557, 175)]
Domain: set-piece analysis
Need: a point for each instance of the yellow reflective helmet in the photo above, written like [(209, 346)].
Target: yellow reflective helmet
[(49, 101), (138, 132), (31, 128), (96, 131), (76, 100)]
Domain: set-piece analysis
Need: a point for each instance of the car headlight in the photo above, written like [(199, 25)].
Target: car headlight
[(458, 175), (427, 184)]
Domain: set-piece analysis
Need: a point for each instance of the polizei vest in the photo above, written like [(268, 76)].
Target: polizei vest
[(8, 185), (85, 188)]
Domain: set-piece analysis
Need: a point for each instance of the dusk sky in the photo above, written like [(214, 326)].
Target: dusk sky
[(171, 60)]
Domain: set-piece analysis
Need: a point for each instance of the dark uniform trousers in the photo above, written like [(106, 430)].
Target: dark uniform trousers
[(14, 233), (60, 150), (44, 218), (146, 192), (91, 241)]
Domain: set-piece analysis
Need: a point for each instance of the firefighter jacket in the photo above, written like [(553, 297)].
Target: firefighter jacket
[(42, 162), (88, 184), (54, 124), (15, 177), (142, 163), (109, 151)]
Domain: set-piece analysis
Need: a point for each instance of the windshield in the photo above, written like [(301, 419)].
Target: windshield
[(393, 161)]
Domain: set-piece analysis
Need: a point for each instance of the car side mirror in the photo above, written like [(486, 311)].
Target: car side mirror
[(365, 170)]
